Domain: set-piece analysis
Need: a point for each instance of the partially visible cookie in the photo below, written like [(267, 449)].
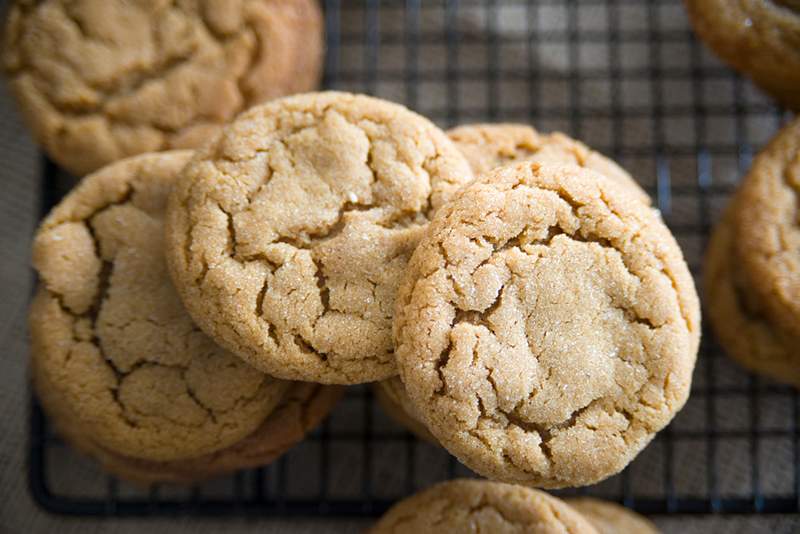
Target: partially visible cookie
[(302, 408), (737, 315), (547, 326), (110, 338), (287, 236), (481, 506), (760, 38), (767, 228), (99, 80), (611, 518), (487, 146), (392, 396)]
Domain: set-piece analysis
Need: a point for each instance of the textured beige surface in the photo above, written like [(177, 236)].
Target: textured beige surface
[(110, 336), (738, 316), (547, 326), (767, 228), (98, 80), (761, 38), (299, 411), (611, 518), (288, 235), (481, 506), (490, 145)]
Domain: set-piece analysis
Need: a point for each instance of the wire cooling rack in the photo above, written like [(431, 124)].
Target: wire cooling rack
[(628, 78)]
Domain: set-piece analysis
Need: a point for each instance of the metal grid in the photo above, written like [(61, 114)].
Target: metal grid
[(629, 79)]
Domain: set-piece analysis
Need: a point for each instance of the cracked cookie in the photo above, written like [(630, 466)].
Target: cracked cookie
[(392, 396), (487, 146), (301, 409), (760, 38), (547, 326), (481, 506), (611, 518), (110, 337), (767, 228), (287, 236), (736, 312), (99, 80)]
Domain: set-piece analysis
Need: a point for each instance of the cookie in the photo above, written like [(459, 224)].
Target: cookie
[(737, 315), (99, 80), (487, 146), (768, 229), (302, 408), (110, 337), (392, 396), (481, 506), (547, 326), (611, 518), (287, 236), (759, 38)]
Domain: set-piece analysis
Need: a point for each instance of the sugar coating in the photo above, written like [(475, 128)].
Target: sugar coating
[(547, 326), (392, 396), (110, 338), (99, 80), (287, 236), (481, 506), (487, 146), (768, 229)]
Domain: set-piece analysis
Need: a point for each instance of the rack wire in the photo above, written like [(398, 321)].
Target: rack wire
[(628, 78)]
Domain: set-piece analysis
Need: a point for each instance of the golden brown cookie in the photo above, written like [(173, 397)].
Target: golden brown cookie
[(481, 506), (487, 146), (287, 236), (737, 315), (392, 396), (302, 408), (99, 80), (547, 326), (767, 228), (760, 38), (110, 337), (611, 518)]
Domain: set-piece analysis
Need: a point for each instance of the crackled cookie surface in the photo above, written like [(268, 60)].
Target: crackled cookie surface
[(481, 506), (547, 326), (611, 518), (99, 80), (737, 314), (109, 334), (487, 146), (768, 228), (301, 409), (760, 38), (288, 235), (392, 396)]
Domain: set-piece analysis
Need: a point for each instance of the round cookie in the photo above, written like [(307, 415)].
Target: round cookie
[(99, 80), (481, 506), (611, 518), (303, 407), (547, 326), (487, 146), (737, 315), (392, 396), (110, 338), (760, 38), (288, 235), (768, 229)]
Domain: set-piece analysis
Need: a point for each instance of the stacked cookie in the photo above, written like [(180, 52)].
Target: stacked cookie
[(752, 275), (540, 316), (481, 506)]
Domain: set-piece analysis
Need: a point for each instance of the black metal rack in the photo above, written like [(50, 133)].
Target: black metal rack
[(627, 77)]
